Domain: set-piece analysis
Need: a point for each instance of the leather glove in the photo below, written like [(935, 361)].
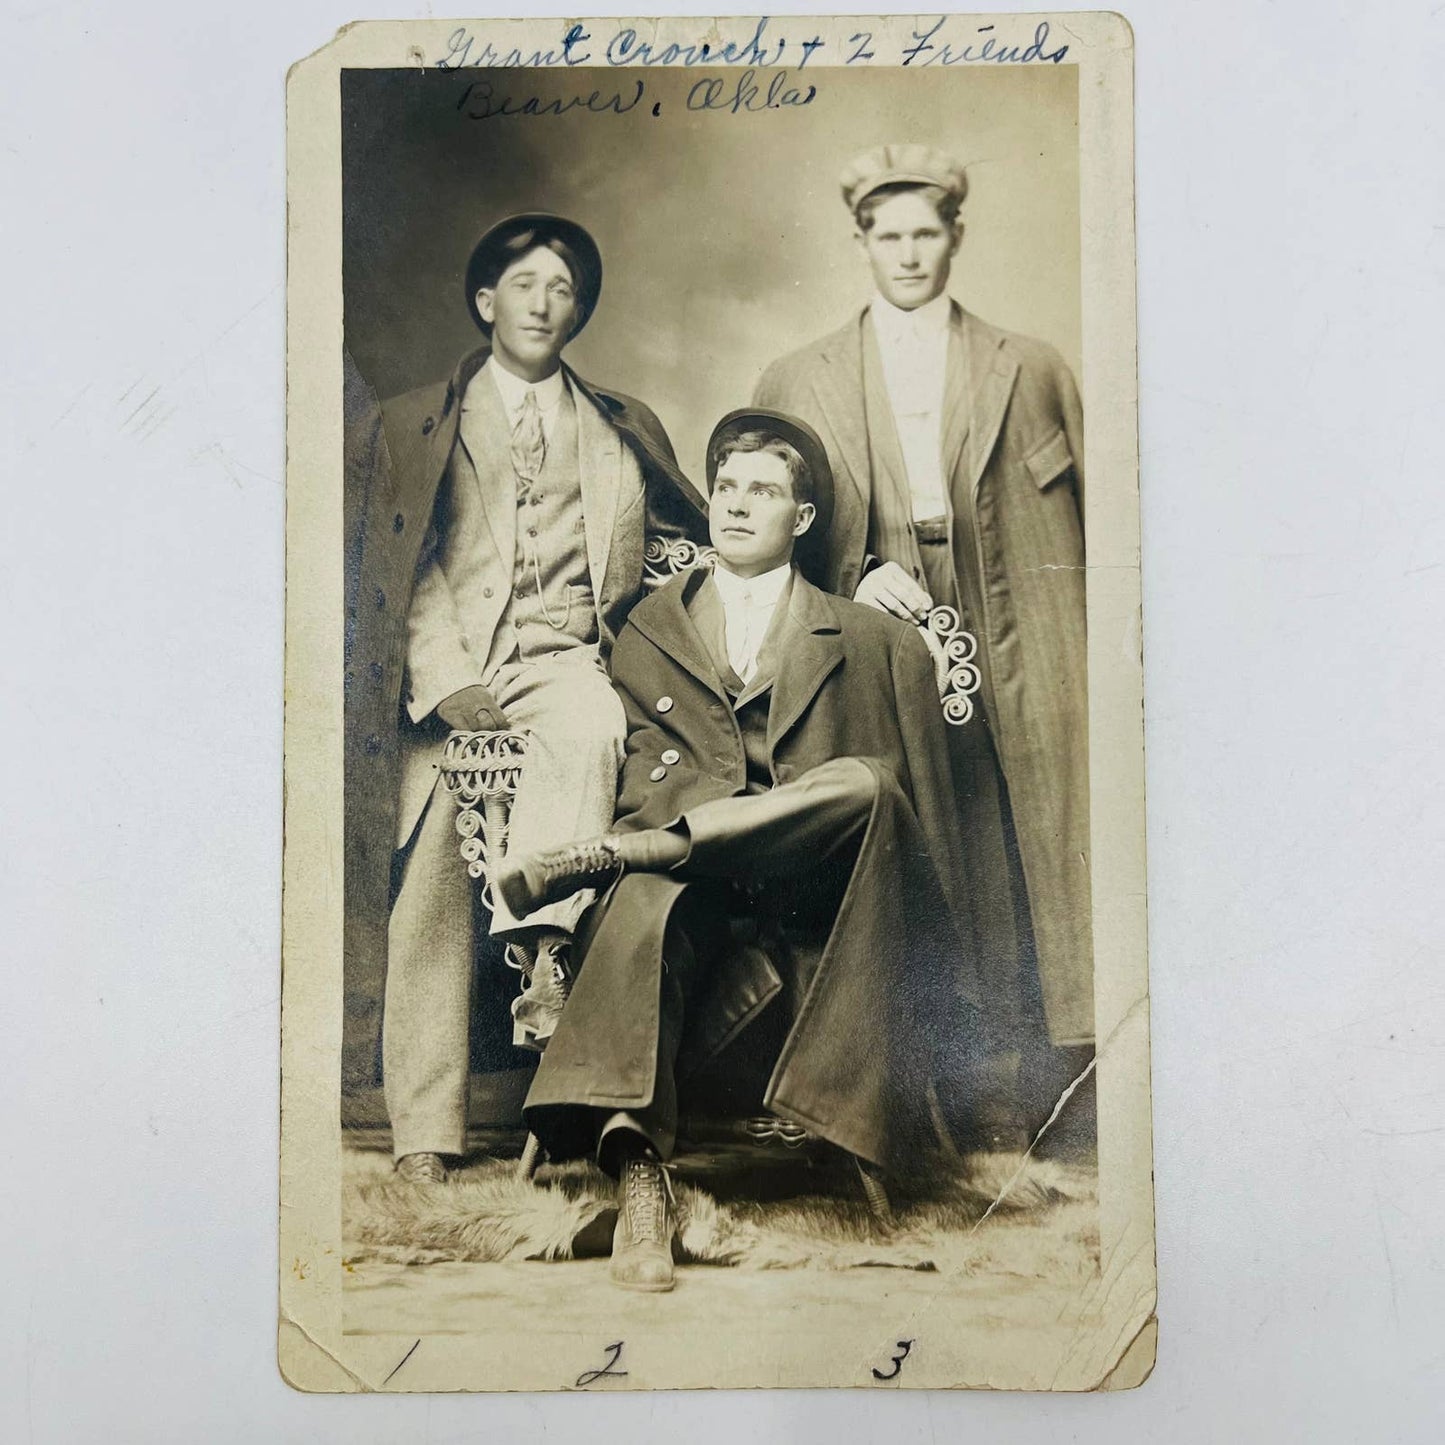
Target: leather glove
[(472, 709)]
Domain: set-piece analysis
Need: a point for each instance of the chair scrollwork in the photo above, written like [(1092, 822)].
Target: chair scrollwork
[(481, 771), (664, 558)]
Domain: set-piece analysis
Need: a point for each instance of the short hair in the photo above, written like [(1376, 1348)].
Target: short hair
[(943, 201), (522, 244), (799, 477)]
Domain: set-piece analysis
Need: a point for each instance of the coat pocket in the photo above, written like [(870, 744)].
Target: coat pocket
[(1048, 461)]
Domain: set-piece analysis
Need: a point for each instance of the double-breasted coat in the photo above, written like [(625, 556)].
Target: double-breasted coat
[(1013, 464), (850, 682), (396, 458)]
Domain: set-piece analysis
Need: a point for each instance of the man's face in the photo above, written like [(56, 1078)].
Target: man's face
[(752, 517), (532, 310), (909, 249)]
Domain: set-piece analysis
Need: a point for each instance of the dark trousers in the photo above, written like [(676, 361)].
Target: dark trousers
[(765, 871)]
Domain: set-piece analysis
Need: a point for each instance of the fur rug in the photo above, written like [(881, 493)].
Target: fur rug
[(1046, 1224)]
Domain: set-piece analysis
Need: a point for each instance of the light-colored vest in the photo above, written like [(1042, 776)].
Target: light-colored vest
[(552, 608)]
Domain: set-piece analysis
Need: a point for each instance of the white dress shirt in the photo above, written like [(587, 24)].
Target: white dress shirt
[(513, 391), (914, 348), (748, 607)]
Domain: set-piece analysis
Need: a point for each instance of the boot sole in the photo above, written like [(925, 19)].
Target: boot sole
[(642, 1288)]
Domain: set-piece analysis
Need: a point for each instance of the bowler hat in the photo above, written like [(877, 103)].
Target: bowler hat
[(808, 444), (495, 252)]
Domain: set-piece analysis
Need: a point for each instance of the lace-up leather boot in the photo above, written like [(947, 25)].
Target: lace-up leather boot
[(642, 1241), (536, 1010), (534, 881), (422, 1169)]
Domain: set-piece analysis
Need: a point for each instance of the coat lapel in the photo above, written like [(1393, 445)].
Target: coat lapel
[(486, 437), (812, 650), (882, 429), (992, 374), (666, 624), (600, 467), (957, 395), (838, 386)]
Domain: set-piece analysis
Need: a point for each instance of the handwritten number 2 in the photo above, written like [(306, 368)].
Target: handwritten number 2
[(615, 1350), (904, 1346)]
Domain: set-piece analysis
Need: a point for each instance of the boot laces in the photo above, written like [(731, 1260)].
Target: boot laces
[(648, 1193), (598, 856)]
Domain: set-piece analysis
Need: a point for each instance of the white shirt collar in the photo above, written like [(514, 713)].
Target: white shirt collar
[(755, 592), (892, 321), (514, 389)]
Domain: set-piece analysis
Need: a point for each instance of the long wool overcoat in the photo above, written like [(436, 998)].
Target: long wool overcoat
[(396, 458), (896, 967), (1013, 461)]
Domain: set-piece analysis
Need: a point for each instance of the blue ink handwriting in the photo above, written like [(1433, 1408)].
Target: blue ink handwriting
[(990, 50), (480, 101), (746, 94)]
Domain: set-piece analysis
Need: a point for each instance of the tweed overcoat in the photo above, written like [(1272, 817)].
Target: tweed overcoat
[(851, 682), (396, 458), (1014, 467)]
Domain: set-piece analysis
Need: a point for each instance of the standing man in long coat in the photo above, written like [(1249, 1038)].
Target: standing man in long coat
[(501, 522), (958, 449), (784, 829)]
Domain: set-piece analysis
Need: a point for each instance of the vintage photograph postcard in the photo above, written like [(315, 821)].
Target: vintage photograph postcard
[(714, 891)]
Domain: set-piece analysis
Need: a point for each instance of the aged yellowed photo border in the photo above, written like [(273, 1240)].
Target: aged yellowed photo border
[(1109, 1341)]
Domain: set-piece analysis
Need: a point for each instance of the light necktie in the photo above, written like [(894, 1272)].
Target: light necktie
[(740, 637), (529, 445)]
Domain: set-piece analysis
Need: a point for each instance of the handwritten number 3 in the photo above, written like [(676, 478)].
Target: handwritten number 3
[(904, 1346)]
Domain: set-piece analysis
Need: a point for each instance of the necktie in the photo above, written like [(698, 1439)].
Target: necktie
[(740, 636), (529, 446)]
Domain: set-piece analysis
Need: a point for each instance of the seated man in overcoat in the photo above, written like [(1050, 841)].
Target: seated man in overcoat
[(779, 862)]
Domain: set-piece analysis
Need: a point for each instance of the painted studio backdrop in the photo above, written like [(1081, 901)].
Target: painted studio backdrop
[(724, 239), (725, 244)]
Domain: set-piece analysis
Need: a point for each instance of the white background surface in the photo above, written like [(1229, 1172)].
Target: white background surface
[(1291, 241)]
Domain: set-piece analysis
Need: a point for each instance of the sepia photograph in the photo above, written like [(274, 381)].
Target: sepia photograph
[(717, 907), (722, 727)]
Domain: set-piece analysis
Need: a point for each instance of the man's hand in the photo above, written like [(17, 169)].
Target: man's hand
[(473, 709), (890, 589)]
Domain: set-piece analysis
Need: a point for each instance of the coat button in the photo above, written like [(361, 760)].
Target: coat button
[(373, 745), (486, 591), (657, 774), (427, 425), (671, 755), (398, 522), (664, 703), (380, 598), (375, 669)]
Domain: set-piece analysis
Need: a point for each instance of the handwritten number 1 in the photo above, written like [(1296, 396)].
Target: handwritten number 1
[(591, 1376), (898, 1359)]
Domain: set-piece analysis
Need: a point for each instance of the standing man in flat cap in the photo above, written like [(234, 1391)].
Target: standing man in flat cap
[(504, 516), (959, 454), (782, 928)]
